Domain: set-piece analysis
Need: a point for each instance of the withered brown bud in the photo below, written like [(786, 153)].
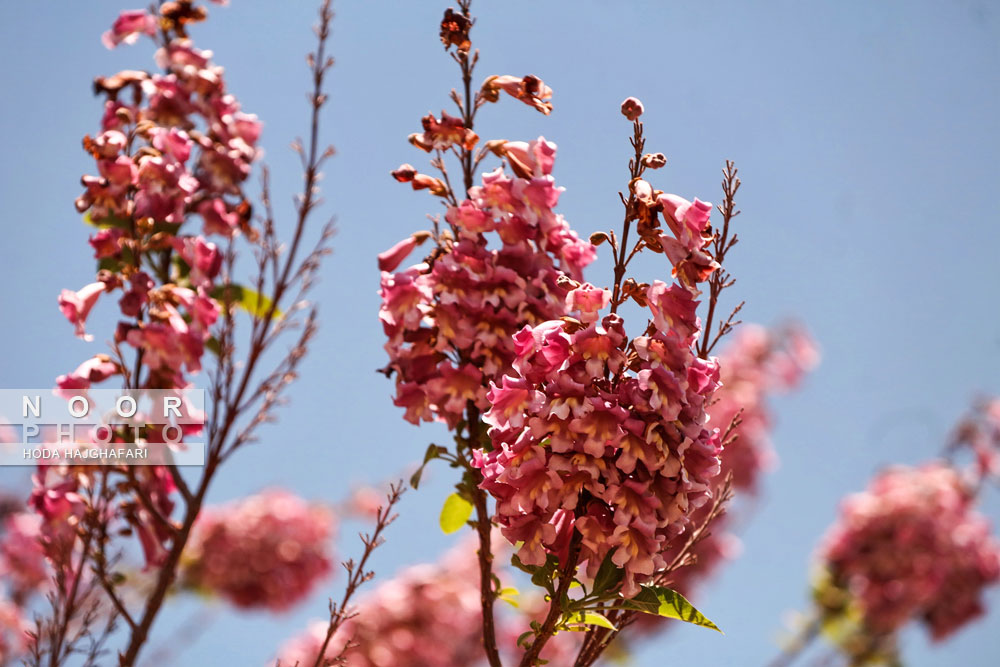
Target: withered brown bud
[(110, 280), (496, 146), (112, 84), (654, 160), (177, 14), (597, 238), (566, 282), (455, 28), (405, 173)]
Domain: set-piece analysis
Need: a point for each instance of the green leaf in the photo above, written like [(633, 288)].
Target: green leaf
[(249, 300), (661, 601), (588, 618), (522, 638), (509, 595), (608, 575), (455, 513), (433, 452), (110, 221)]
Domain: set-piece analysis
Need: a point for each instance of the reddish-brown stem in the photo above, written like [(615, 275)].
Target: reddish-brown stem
[(722, 243), (357, 575), (234, 406), (635, 170)]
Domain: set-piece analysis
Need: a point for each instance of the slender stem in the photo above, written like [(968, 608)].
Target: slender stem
[(635, 170), (556, 611), (261, 328)]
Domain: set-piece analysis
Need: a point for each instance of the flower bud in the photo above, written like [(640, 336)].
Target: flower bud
[(632, 108)]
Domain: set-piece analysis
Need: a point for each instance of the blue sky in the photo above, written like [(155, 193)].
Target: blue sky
[(866, 134)]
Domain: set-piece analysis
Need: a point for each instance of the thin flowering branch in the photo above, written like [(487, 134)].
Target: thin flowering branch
[(357, 576), (722, 244), (173, 145), (264, 329)]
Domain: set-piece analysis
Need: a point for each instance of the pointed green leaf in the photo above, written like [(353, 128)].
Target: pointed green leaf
[(661, 601), (455, 513), (509, 595), (433, 452), (249, 300), (608, 575), (109, 221), (588, 618)]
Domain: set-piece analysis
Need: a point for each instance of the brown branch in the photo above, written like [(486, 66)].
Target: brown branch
[(722, 244), (357, 575), (261, 328)]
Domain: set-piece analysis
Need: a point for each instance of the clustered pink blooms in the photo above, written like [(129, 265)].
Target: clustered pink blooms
[(450, 319), (267, 551), (606, 436), (172, 144), (912, 547)]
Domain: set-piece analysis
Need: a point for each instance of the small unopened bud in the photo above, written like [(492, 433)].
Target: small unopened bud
[(632, 108), (597, 238), (654, 160)]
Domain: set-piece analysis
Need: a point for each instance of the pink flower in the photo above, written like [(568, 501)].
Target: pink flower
[(265, 551), (218, 218), (96, 369), (470, 218), (394, 256), (587, 300), (202, 257), (530, 159), (76, 306), (127, 28), (107, 242), (673, 309)]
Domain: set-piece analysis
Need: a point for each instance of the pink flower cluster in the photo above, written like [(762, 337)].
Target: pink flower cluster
[(912, 547), (172, 145), (604, 435), (450, 319), (265, 551)]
